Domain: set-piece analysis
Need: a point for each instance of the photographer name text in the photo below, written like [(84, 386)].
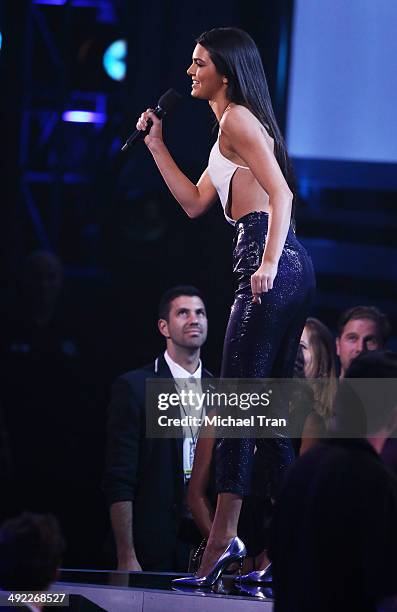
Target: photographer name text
[(218, 421)]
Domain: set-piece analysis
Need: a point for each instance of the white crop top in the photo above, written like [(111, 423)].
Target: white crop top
[(221, 171)]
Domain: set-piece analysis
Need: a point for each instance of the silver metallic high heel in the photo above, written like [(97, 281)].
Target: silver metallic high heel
[(255, 590), (234, 552), (257, 577)]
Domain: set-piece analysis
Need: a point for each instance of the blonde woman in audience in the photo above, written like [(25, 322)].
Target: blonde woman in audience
[(319, 367)]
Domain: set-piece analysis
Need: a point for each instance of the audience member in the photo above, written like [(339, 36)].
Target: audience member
[(334, 536), (311, 410), (145, 479), (360, 329), (31, 548), (365, 328)]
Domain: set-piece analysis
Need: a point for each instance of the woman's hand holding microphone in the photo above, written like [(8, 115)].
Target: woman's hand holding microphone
[(148, 118)]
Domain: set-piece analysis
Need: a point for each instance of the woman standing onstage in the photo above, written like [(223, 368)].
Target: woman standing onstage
[(249, 170)]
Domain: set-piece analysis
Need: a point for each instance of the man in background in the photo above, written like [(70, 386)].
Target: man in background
[(360, 329), (145, 479)]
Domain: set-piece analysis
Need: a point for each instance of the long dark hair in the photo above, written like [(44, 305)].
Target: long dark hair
[(236, 56), (323, 366)]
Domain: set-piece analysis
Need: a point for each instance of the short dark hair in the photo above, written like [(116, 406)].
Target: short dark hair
[(373, 364), (31, 547), (174, 292), (366, 312), (362, 409)]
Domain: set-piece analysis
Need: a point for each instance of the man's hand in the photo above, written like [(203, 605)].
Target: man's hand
[(121, 514)]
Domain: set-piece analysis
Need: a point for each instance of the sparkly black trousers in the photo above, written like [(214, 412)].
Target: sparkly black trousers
[(261, 342)]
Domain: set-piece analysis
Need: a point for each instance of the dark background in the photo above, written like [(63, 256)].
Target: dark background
[(120, 236)]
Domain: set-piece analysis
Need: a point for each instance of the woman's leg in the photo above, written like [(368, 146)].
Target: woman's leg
[(256, 337), (224, 528), (250, 350)]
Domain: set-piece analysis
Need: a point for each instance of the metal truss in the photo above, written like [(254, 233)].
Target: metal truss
[(47, 165)]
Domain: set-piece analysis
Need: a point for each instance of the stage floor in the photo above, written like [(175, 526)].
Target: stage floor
[(153, 592)]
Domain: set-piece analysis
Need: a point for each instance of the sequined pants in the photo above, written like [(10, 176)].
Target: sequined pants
[(261, 341)]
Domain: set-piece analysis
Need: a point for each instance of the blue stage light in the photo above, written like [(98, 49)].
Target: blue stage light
[(1, 40), (50, 2), (83, 117), (114, 60)]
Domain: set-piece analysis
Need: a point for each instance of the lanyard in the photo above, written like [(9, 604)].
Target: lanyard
[(193, 435)]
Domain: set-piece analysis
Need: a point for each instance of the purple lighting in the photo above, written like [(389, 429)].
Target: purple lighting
[(100, 4), (83, 117), (52, 2)]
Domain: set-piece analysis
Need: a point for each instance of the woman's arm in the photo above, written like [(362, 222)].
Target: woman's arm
[(245, 138), (197, 500), (194, 199)]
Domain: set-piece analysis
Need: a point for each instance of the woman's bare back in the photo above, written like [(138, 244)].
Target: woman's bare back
[(245, 193)]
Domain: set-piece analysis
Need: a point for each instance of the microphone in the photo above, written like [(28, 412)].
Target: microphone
[(165, 104)]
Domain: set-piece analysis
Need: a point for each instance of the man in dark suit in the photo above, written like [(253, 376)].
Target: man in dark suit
[(334, 532), (145, 479)]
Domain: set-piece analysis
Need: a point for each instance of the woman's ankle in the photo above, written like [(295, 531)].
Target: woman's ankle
[(261, 561), (220, 540)]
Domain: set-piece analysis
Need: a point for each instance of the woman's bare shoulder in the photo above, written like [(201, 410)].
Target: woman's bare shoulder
[(237, 116), (239, 121)]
